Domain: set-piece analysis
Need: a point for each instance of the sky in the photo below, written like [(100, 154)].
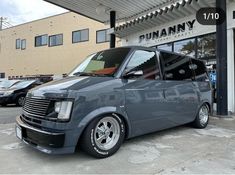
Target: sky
[(21, 11)]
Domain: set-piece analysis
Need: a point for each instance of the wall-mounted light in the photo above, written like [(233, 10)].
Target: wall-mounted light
[(101, 9)]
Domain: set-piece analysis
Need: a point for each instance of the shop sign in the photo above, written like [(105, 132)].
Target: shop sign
[(172, 30)]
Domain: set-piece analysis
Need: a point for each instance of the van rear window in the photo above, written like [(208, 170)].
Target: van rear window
[(176, 67), (199, 70)]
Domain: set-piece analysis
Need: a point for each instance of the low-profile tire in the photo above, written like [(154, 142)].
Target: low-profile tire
[(202, 118), (103, 136), (20, 100)]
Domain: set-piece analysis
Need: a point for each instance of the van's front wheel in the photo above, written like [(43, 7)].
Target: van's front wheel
[(103, 136)]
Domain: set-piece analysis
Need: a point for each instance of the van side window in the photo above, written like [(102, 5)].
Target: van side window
[(144, 63), (199, 70), (176, 67)]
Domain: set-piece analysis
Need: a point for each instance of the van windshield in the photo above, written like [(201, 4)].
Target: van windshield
[(104, 63)]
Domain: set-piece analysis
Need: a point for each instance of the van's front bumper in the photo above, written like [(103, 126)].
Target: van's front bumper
[(45, 141)]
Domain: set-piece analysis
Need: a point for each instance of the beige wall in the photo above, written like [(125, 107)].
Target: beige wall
[(47, 60)]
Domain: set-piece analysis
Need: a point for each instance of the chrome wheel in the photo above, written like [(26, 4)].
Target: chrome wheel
[(21, 101), (107, 133), (203, 115)]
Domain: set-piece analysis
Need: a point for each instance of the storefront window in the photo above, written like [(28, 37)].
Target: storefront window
[(207, 47), (166, 47), (185, 47)]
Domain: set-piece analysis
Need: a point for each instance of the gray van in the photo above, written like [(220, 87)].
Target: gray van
[(114, 95)]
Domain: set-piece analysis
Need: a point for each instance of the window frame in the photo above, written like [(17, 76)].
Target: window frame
[(16, 44), (197, 46), (88, 36), (106, 39), (21, 44), (35, 41), (49, 44), (158, 62)]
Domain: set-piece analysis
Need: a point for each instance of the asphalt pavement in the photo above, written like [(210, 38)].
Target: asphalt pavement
[(181, 150)]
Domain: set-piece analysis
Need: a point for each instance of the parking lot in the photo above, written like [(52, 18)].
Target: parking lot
[(179, 150)]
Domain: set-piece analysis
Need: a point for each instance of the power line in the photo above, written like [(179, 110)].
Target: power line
[(4, 23), (4, 26), (9, 23), (1, 23)]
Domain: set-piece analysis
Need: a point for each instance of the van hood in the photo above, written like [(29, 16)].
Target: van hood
[(61, 88)]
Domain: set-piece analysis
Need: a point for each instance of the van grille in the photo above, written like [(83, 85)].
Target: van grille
[(36, 106), (35, 122)]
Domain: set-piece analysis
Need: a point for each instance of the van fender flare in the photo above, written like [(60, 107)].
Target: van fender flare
[(102, 111)]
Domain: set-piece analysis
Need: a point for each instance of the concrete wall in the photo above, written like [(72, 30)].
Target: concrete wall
[(47, 60)]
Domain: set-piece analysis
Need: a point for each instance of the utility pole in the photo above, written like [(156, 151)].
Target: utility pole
[(1, 23), (4, 23)]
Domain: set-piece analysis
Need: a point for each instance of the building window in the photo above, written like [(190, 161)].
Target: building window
[(56, 40), (206, 47), (18, 44), (23, 44), (2, 75), (166, 47), (186, 47), (80, 36), (41, 40), (102, 36)]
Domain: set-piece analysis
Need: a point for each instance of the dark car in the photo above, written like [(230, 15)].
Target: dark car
[(114, 95), (16, 93), (5, 84)]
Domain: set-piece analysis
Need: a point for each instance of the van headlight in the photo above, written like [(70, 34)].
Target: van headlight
[(63, 108)]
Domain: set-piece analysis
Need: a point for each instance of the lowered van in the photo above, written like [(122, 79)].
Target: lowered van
[(114, 95)]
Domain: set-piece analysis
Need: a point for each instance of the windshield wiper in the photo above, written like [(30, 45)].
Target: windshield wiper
[(90, 74)]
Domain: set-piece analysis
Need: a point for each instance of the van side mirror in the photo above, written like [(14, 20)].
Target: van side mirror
[(137, 73)]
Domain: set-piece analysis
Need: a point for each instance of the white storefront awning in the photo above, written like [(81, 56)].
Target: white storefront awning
[(134, 15), (99, 9), (161, 16)]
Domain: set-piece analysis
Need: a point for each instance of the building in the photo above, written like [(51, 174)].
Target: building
[(172, 25), (53, 45)]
